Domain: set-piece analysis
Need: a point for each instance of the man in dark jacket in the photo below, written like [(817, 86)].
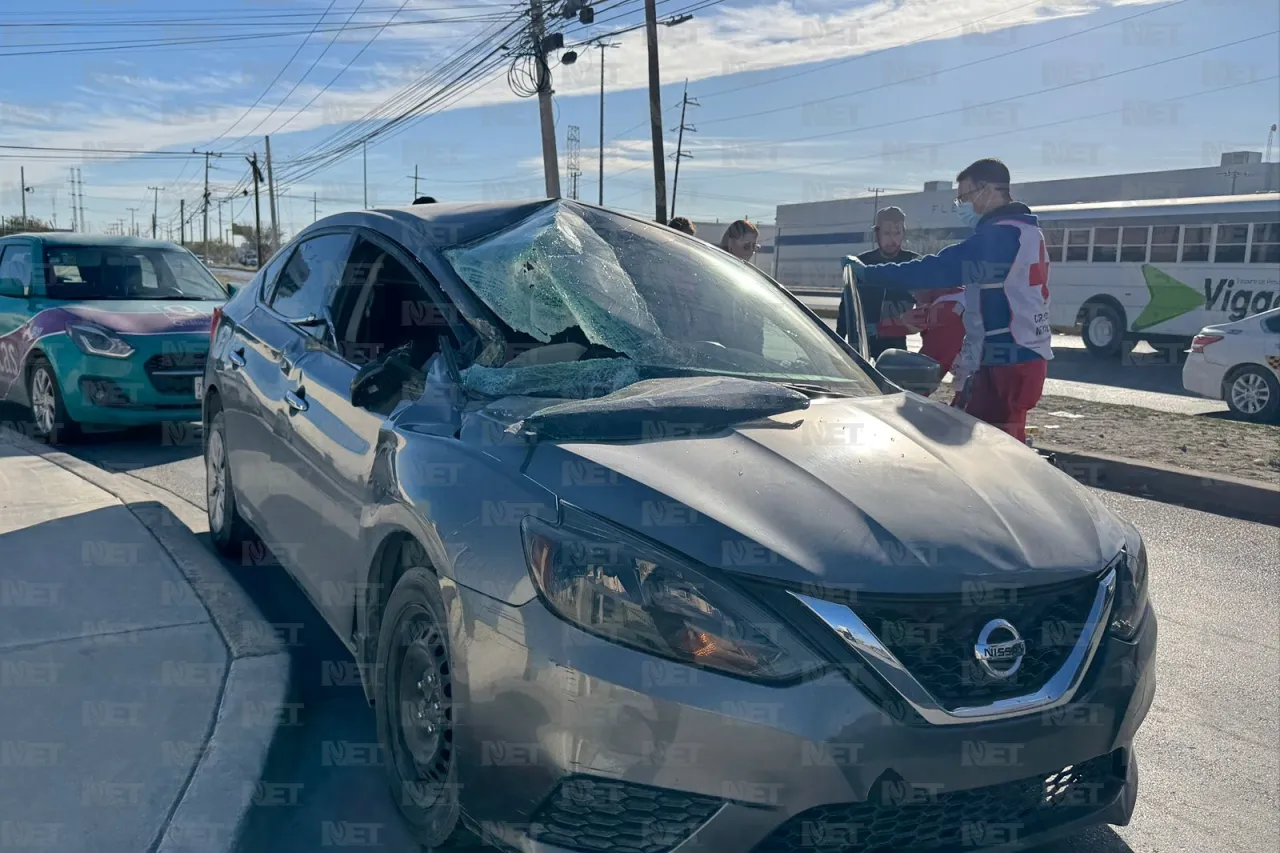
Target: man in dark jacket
[(880, 302), (1004, 270)]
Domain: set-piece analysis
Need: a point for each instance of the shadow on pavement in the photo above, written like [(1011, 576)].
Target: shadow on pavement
[(1155, 371)]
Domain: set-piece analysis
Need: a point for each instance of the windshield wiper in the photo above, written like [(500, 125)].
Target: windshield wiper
[(812, 390)]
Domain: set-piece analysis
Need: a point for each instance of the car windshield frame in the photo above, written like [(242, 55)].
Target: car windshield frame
[(627, 290), (177, 274)]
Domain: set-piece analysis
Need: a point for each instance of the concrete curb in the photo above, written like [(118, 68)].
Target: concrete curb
[(257, 692), (1220, 494)]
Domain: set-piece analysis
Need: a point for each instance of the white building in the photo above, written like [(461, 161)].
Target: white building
[(811, 238)]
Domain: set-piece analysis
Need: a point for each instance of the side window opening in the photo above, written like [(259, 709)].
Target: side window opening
[(1164, 244), (1232, 240), (1105, 241), (385, 306), (1195, 243), (1078, 244), (1266, 244)]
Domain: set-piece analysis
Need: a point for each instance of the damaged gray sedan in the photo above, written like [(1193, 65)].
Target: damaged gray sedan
[(635, 555)]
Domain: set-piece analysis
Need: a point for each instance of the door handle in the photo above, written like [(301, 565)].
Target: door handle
[(296, 402), (236, 357)]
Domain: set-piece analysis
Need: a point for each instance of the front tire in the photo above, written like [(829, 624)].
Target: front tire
[(48, 410), (415, 706), (1252, 393), (227, 528), (1104, 330)]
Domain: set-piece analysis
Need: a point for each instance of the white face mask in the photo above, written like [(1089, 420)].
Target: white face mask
[(969, 216)]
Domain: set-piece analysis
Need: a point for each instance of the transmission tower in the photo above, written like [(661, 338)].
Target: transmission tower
[(575, 160)]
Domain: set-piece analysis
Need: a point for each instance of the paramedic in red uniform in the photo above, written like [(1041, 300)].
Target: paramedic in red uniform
[(938, 319), (999, 375)]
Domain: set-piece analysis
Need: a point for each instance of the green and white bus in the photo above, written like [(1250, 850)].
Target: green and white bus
[(1160, 270)]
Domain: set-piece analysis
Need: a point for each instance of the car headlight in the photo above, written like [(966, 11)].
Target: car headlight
[(93, 340), (617, 586), (1131, 591)]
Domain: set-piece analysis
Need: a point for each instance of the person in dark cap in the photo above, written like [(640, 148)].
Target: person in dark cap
[(879, 302), (424, 199), (681, 223)]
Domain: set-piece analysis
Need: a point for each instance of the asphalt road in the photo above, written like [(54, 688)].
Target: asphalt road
[(1209, 752)]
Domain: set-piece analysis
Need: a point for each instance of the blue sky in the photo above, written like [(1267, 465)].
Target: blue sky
[(798, 101)]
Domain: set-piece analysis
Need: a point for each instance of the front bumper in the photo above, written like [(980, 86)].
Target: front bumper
[(746, 767), (130, 391)]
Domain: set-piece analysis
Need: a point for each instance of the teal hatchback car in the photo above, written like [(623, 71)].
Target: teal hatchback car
[(103, 331)]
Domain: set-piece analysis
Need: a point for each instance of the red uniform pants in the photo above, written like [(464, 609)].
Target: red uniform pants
[(1002, 395)]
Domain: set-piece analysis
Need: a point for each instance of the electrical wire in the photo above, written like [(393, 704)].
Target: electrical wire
[(311, 67), (342, 70), (1009, 131), (932, 72), (1068, 85)]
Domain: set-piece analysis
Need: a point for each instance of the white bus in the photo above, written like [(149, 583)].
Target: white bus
[(1160, 270)]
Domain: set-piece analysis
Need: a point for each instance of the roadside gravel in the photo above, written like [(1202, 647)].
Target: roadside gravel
[(1211, 443)]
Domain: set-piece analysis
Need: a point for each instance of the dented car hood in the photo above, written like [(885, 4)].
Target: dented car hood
[(852, 492)]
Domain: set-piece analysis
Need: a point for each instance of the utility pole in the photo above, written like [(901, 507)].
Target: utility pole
[(182, 220), (207, 199), (415, 181), (22, 172), (271, 195), (315, 204), (75, 220), (685, 103), (155, 209), (257, 211), (80, 184), (546, 112), (364, 149), (602, 46), (133, 221), (575, 159), (1233, 174), (655, 113), (876, 192)]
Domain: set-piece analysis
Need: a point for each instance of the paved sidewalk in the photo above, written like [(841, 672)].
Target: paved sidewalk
[(114, 680)]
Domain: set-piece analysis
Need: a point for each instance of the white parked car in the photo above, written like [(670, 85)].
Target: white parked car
[(1238, 362)]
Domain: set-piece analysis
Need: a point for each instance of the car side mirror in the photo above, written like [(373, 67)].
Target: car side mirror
[(910, 370)]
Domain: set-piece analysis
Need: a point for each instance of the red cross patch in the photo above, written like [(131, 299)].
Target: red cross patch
[(1040, 273)]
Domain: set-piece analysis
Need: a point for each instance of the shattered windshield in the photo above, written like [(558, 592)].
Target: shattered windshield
[(592, 300)]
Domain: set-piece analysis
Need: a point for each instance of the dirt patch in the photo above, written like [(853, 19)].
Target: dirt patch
[(1212, 443)]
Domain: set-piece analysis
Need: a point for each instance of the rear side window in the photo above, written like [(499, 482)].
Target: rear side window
[(310, 277), (15, 268)]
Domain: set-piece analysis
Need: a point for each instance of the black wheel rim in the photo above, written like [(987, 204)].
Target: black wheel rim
[(422, 709)]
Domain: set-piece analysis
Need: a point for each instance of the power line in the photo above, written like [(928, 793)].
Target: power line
[(276, 79), (1007, 131), (343, 70), (1057, 88), (933, 72), (310, 68)]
